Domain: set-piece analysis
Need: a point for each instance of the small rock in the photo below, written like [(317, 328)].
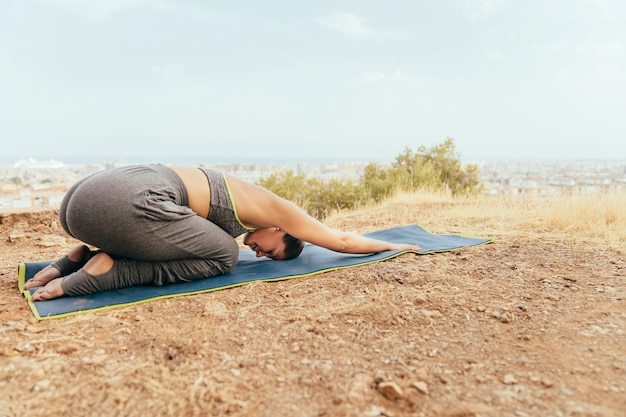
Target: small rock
[(599, 329), (49, 241), (481, 379), (16, 236), (567, 391), (360, 385), (421, 386), (420, 298), (432, 313), (505, 318), (509, 379), (36, 329), (217, 309), (376, 411), (421, 374), (390, 390), (43, 384), (99, 359)]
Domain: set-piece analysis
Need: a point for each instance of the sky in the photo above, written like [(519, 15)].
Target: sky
[(253, 81)]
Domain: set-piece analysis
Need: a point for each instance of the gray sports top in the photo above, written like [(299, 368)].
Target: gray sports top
[(222, 210)]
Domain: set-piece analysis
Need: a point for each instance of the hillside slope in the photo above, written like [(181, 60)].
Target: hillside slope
[(531, 325)]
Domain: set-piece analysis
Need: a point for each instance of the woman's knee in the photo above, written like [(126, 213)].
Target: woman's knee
[(218, 262), (231, 256)]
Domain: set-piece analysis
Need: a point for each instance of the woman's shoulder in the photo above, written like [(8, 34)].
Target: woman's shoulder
[(256, 205)]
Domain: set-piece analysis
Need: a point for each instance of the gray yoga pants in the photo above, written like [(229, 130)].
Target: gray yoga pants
[(139, 216)]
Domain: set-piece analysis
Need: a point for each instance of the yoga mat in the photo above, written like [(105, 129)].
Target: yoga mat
[(249, 268)]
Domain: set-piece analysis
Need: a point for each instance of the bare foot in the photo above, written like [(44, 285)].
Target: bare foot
[(97, 265), (51, 290), (47, 274), (42, 277)]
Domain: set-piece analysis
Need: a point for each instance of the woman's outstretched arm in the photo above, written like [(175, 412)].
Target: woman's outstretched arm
[(260, 208), (298, 223)]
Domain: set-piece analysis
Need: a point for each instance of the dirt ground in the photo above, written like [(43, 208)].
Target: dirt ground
[(532, 324)]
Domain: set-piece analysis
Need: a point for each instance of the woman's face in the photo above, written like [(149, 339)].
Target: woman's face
[(266, 242)]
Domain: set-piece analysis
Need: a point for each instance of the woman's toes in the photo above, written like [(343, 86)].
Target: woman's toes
[(42, 277), (51, 290)]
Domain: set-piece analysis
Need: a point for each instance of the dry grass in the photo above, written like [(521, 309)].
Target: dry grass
[(593, 216), (599, 215)]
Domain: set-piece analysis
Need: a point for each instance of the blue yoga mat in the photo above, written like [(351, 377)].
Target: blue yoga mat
[(313, 260)]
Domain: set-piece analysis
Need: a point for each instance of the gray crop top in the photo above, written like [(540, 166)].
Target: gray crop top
[(222, 210)]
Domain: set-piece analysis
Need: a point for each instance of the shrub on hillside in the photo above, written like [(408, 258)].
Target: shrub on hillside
[(314, 195), (438, 167)]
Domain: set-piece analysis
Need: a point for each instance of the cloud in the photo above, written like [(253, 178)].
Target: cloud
[(169, 71), (551, 50), (605, 11), (395, 77), (564, 75), (99, 9), (354, 27), (601, 51), (587, 52), (495, 55), (606, 83), (478, 10)]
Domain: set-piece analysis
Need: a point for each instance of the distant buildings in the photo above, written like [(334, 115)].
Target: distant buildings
[(550, 177), (31, 183)]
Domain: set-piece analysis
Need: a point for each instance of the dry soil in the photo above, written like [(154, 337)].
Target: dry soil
[(532, 324)]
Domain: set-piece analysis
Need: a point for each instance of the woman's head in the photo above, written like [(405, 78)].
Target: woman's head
[(293, 246), (273, 243)]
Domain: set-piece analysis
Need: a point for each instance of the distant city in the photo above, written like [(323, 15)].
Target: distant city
[(31, 183)]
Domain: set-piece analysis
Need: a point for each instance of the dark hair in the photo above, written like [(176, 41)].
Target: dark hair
[(293, 246)]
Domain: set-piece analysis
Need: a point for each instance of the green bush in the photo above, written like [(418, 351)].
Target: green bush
[(435, 167), (314, 195)]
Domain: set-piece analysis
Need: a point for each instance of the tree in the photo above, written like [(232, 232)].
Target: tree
[(447, 165), (16, 180), (438, 167), (287, 185), (315, 196), (412, 170), (377, 182)]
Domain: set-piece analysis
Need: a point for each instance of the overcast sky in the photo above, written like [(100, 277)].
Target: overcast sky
[(200, 80)]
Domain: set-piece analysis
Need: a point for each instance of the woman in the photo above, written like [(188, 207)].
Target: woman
[(160, 225)]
